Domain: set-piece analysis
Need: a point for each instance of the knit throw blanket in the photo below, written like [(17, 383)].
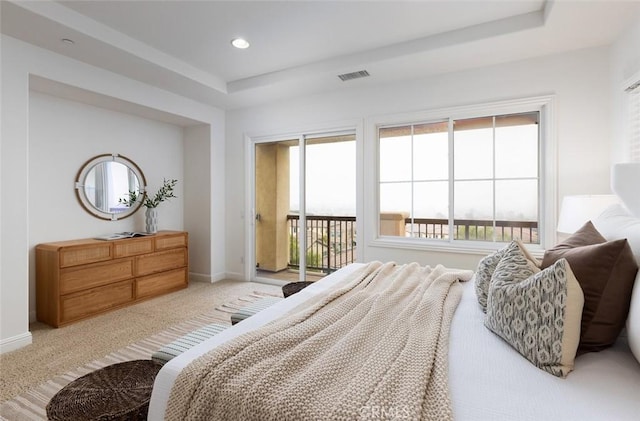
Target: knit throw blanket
[(374, 347)]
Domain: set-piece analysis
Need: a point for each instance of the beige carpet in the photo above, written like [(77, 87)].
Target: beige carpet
[(30, 376)]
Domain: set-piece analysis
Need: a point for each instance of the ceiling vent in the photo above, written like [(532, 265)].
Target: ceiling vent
[(633, 86), (353, 75)]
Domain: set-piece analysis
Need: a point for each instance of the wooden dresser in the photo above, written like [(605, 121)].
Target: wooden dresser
[(78, 279)]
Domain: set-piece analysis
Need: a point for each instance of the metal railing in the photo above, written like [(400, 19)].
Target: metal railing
[(331, 242), (473, 229)]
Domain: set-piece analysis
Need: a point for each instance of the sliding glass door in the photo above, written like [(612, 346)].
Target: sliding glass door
[(305, 206)]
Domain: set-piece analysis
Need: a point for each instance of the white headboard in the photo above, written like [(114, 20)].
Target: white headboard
[(625, 182)]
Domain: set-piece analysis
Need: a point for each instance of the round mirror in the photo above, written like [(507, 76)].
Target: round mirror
[(110, 186)]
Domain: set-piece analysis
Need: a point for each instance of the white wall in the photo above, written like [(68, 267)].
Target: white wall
[(20, 224), (204, 217), (625, 63), (63, 135), (579, 81), (14, 279)]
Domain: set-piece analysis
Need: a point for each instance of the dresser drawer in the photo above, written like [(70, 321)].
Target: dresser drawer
[(82, 304), (161, 282), (171, 241), (79, 278), (74, 256), (161, 261), (132, 247)]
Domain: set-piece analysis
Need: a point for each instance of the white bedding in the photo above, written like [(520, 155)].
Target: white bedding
[(488, 379)]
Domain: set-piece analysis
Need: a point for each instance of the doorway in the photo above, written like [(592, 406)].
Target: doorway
[(304, 201)]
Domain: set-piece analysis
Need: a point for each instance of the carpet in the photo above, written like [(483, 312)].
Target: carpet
[(31, 405)]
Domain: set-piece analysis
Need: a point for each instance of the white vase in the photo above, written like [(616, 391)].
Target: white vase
[(151, 220)]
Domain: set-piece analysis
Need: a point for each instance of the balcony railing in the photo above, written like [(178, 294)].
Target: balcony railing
[(331, 240), (473, 229)]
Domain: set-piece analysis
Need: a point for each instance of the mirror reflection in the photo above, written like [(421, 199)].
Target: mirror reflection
[(105, 182)]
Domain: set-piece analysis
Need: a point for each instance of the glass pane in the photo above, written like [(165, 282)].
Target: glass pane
[(473, 148), (395, 206), (517, 210), (431, 156), (431, 200), (330, 199), (431, 210), (473, 210), (473, 200), (395, 159), (295, 231), (395, 197), (516, 147), (331, 178)]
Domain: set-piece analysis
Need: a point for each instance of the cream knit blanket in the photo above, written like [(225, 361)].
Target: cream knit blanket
[(375, 347)]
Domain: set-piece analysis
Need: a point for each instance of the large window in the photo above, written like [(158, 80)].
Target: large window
[(468, 179)]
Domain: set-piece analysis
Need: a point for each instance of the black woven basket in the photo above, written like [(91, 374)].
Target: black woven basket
[(293, 287), (117, 392)]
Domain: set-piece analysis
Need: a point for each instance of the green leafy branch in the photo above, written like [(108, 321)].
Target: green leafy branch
[(131, 200), (165, 192)]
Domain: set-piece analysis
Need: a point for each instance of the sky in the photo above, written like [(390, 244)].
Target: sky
[(331, 178)]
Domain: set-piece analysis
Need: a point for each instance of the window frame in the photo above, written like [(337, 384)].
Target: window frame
[(547, 173), (631, 89)]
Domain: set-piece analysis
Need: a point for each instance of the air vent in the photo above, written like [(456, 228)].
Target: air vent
[(353, 75), (633, 86)]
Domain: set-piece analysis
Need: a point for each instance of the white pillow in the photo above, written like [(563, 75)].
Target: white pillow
[(616, 223)]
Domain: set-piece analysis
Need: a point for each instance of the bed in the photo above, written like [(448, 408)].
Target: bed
[(488, 379)]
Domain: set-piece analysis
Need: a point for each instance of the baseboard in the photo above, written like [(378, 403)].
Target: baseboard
[(199, 277), (15, 342), (235, 276), (219, 277)]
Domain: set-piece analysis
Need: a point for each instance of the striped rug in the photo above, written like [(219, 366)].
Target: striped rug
[(32, 404)]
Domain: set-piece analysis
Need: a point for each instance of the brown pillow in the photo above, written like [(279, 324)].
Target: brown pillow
[(606, 272)]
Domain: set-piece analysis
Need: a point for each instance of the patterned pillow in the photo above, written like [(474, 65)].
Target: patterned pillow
[(539, 316), (517, 257), (485, 270)]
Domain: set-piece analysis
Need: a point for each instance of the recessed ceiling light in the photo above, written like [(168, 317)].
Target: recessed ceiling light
[(240, 43), (68, 41)]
